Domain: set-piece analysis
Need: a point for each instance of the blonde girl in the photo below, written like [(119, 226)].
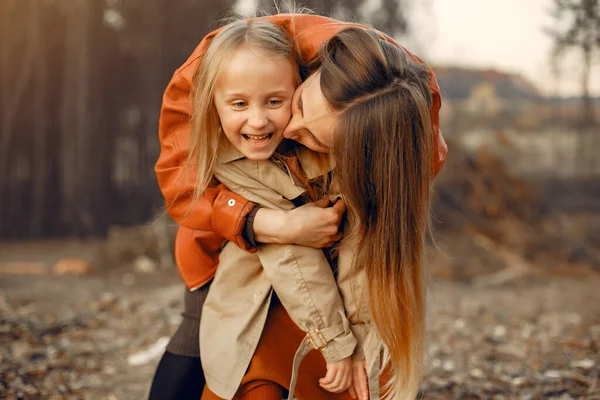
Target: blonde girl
[(384, 104), (241, 106)]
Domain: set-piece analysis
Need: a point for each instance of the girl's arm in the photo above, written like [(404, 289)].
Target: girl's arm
[(301, 276)]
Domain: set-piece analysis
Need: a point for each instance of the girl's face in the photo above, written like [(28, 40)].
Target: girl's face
[(253, 97)]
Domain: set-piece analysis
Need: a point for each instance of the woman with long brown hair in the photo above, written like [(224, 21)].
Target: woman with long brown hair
[(382, 145), (375, 106)]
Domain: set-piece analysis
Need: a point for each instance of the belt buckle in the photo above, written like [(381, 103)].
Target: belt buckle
[(319, 338)]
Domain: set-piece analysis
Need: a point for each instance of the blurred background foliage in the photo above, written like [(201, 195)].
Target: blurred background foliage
[(82, 83), (82, 86)]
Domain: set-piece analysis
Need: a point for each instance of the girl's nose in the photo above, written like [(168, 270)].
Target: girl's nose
[(258, 118)]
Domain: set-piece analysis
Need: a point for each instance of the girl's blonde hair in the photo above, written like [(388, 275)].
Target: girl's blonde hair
[(259, 35), (383, 151)]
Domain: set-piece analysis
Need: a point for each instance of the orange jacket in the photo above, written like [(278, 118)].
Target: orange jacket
[(220, 214)]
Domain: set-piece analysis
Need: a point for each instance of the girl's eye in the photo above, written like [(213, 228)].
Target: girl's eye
[(275, 102), (239, 104)]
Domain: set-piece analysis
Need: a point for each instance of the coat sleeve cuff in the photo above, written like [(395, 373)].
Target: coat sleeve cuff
[(248, 231), (230, 211), (339, 346)]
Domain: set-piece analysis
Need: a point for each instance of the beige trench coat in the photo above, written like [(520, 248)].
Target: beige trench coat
[(236, 308)]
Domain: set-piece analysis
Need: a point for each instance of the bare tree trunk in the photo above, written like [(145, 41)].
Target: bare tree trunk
[(5, 71), (395, 21), (39, 111), (6, 46), (588, 111), (68, 135), (74, 118), (13, 88), (586, 154), (556, 117), (5, 7), (102, 117), (85, 218), (17, 72), (151, 82)]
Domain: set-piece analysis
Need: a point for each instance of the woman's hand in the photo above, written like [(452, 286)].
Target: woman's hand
[(312, 225), (339, 376), (359, 388)]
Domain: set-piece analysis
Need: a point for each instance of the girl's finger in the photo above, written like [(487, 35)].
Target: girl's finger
[(352, 392), (335, 382), (347, 381), (360, 381), (338, 386), (329, 378)]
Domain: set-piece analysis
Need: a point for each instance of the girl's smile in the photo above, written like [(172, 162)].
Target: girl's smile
[(258, 141), (253, 99)]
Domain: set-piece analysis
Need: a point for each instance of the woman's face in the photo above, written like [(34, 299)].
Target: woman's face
[(312, 120)]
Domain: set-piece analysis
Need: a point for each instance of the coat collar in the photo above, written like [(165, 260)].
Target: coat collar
[(313, 164), (227, 152)]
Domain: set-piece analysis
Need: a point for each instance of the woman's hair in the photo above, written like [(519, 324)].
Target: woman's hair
[(259, 35), (383, 149)]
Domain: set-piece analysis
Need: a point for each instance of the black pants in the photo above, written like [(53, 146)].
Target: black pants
[(177, 378), (179, 374)]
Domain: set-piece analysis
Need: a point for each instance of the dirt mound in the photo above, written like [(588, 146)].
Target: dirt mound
[(142, 246), (490, 220)]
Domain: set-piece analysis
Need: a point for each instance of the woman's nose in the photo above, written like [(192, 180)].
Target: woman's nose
[(291, 130)]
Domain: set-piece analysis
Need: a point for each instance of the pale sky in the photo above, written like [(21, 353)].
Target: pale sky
[(502, 34)]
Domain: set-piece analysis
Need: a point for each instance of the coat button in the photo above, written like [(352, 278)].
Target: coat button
[(231, 202)]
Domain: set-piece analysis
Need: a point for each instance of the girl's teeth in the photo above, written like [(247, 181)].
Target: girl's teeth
[(258, 139)]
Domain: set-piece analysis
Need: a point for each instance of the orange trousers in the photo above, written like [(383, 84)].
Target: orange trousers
[(272, 363)]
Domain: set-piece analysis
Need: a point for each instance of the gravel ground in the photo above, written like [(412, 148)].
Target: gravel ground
[(65, 337)]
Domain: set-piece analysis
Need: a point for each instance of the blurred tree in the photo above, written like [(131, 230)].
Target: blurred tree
[(82, 84), (577, 27), (12, 89), (392, 17), (389, 16), (185, 24), (83, 154), (322, 7), (157, 38)]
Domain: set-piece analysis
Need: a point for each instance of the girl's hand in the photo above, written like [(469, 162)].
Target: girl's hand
[(339, 376), (312, 225), (359, 388)]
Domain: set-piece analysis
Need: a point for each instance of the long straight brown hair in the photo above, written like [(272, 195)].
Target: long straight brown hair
[(383, 149)]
